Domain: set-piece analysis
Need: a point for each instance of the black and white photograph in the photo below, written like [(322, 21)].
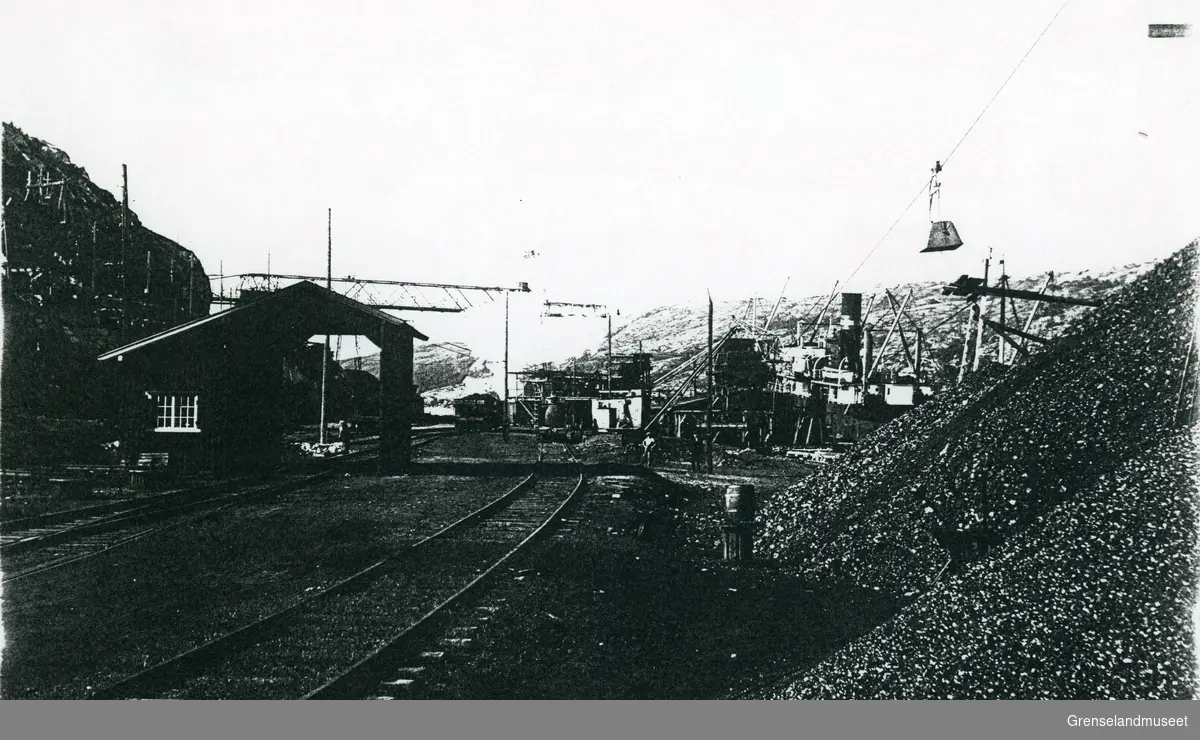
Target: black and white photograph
[(716, 350)]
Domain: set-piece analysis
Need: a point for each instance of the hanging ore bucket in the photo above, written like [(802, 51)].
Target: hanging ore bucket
[(943, 237)]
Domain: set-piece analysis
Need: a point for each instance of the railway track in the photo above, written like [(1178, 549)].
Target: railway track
[(346, 639), (50, 543)]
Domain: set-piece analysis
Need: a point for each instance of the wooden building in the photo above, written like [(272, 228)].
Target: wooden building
[(209, 391)]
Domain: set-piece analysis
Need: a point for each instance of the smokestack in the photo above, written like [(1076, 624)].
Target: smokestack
[(851, 310), (850, 332)]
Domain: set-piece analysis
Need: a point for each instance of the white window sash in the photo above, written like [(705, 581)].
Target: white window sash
[(171, 406)]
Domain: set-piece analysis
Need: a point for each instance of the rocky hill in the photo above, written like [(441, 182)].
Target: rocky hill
[(1038, 522), (674, 333), (441, 367), (74, 285)]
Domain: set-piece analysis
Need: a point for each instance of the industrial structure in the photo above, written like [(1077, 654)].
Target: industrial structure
[(208, 393), (826, 387), (391, 295), (570, 399)]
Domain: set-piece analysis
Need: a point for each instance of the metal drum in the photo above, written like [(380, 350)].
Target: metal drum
[(739, 504)]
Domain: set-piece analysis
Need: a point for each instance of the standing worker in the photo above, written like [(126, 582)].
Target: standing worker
[(648, 445), (697, 451)]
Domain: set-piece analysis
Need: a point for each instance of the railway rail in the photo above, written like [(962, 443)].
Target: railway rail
[(338, 641), (54, 540)]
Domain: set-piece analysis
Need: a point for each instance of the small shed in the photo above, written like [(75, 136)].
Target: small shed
[(209, 391)]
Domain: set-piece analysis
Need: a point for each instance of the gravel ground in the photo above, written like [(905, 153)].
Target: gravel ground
[(326, 637), (91, 623), (482, 448), (33, 498), (598, 612)]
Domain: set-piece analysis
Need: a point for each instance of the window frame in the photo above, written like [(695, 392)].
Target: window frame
[(182, 408)]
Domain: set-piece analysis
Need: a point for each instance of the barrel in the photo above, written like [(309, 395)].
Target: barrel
[(739, 503)]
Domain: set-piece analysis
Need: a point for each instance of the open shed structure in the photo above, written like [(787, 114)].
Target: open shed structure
[(209, 391)]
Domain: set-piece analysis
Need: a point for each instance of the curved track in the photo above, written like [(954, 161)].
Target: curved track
[(335, 639)]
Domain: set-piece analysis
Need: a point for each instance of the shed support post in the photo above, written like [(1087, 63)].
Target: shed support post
[(396, 402)]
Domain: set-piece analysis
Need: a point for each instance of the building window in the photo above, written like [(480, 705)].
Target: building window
[(176, 412)]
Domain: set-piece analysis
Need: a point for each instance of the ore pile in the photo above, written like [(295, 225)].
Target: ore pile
[(1041, 519)]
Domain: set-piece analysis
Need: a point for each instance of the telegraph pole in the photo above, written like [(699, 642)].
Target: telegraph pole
[(708, 414), (609, 350), (979, 327), (1000, 348), (325, 349), (124, 250), (506, 414)]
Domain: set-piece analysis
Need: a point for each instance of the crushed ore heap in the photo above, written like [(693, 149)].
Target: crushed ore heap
[(1074, 471)]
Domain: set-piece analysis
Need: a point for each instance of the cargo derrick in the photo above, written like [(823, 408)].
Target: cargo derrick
[(836, 389)]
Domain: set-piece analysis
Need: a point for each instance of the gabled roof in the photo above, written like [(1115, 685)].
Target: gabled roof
[(279, 300)]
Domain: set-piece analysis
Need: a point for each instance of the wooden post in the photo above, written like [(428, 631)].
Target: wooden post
[(966, 353), (920, 341), (506, 414), (124, 247), (979, 314), (978, 337), (608, 312), (395, 401), (1034, 308), (325, 349), (95, 293), (708, 416), (1000, 348)]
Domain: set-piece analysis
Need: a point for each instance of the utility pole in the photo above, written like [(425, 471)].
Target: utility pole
[(979, 327), (920, 341), (708, 414), (967, 331), (1000, 348), (95, 292), (325, 349), (506, 414), (124, 249), (609, 349)]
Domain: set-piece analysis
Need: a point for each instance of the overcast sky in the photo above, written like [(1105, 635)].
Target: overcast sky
[(647, 151)]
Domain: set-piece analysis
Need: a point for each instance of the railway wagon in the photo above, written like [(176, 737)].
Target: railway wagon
[(478, 411)]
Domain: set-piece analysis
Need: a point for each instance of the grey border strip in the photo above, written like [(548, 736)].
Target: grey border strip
[(594, 719)]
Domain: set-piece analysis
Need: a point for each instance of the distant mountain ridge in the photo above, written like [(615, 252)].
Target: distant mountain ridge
[(675, 332)]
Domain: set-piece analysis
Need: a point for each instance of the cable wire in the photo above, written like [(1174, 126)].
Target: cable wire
[(971, 128)]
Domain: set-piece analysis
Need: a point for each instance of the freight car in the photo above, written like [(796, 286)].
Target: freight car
[(478, 411)]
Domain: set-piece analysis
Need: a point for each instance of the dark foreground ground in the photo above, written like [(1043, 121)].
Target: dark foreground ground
[(630, 599)]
